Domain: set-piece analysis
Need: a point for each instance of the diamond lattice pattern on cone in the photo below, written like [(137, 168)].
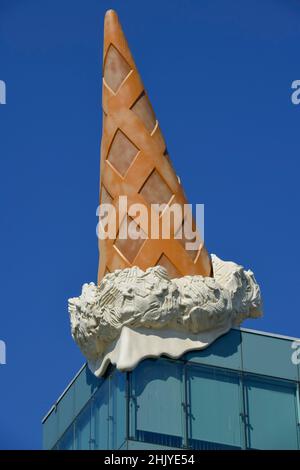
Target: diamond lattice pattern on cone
[(135, 163)]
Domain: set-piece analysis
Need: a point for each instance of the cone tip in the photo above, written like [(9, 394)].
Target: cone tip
[(110, 15)]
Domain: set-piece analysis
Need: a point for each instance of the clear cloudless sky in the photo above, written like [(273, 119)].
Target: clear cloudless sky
[(219, 76)]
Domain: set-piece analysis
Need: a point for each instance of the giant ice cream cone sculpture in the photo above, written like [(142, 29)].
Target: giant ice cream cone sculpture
[(135, 164)]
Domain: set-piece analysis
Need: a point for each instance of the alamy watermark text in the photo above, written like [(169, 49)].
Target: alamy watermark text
[(2, 352), (2, 92)]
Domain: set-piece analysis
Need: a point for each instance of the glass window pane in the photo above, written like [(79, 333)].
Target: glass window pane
[(214, 399), (85, 385), (100, 417), (117, 409), (82, 429), (272, 422), (156, 402), (67, 440), (50, 430), (65, 411)]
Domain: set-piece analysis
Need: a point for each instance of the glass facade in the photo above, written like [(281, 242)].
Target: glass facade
[(194, 402), (100, 424)]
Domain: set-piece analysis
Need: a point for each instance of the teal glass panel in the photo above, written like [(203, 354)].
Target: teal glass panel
[(215, 399), (100, 417), (67, 440), (85, 385), (272, 414), (156, 410), (83, 429), (268, 356), (117, 410), (50, 430), (65, 410), (224, 352)]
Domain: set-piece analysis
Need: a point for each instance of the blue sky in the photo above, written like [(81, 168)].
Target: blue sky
[(219, 77)]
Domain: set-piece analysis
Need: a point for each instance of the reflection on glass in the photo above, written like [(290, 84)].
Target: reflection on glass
[(214, 398), (117, 409), (67, 440), (176, 404), (272, 414), (83, 429), (156, 402), (100, 417)]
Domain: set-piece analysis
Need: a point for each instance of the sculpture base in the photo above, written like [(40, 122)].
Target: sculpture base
[(132, 346)]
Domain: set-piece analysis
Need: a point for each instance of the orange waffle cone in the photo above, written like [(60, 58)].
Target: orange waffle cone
[(135, 163)]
